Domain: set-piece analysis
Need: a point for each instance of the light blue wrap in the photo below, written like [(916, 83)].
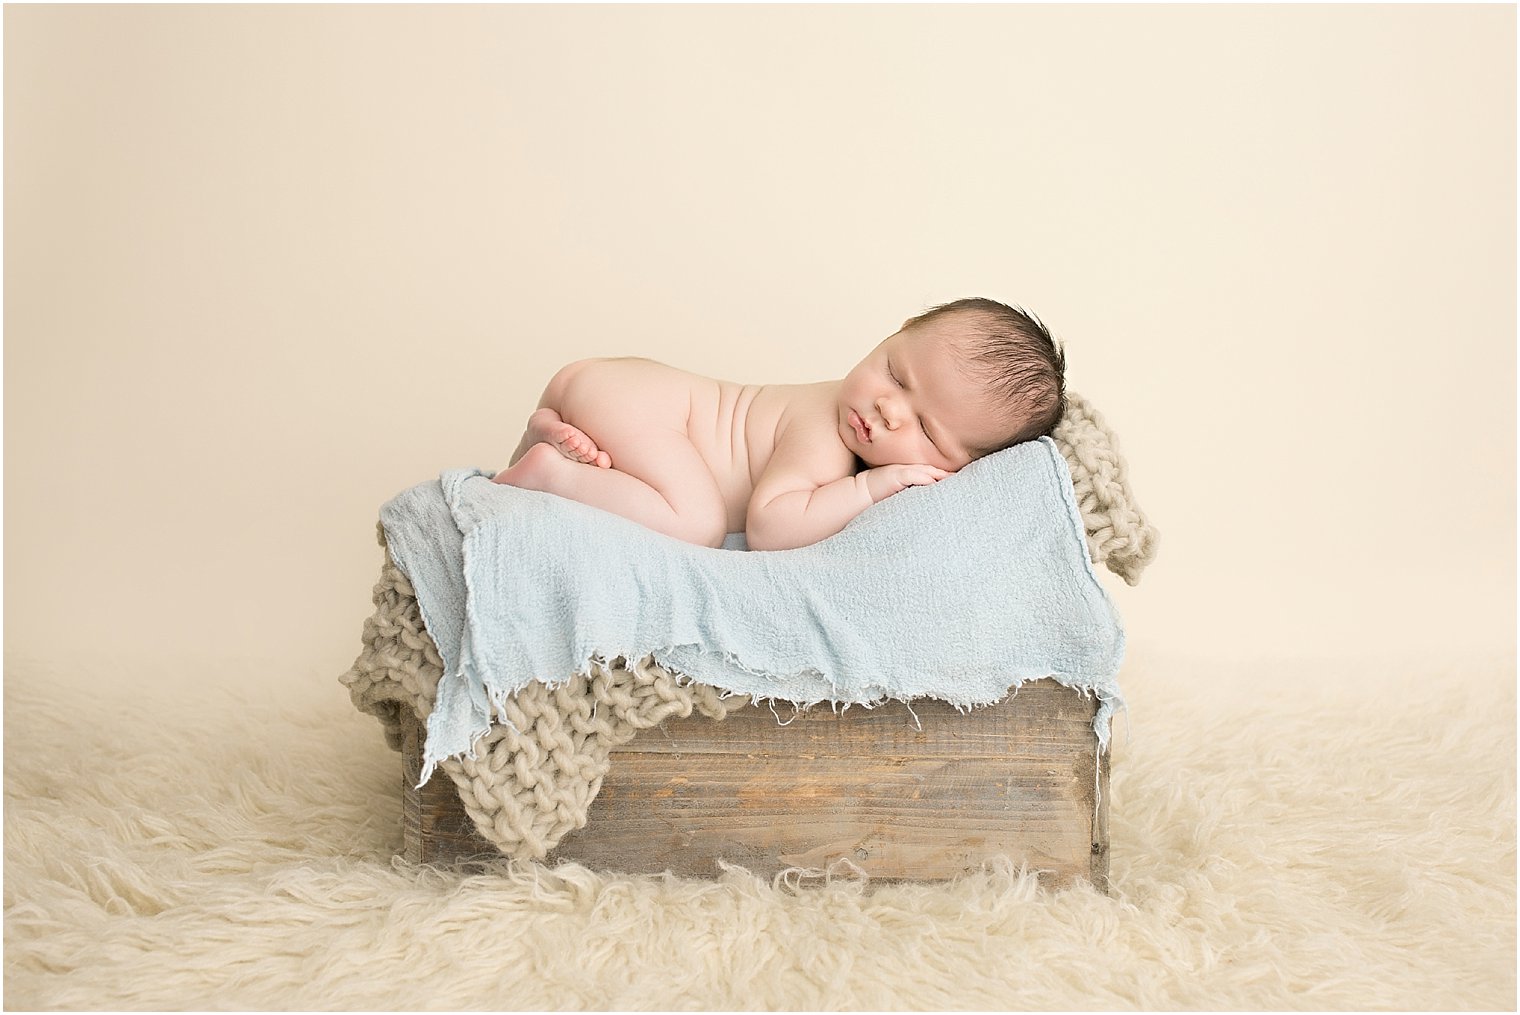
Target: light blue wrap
[(959, 591)]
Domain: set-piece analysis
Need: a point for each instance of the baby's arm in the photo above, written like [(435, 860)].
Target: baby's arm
[(799, 501)]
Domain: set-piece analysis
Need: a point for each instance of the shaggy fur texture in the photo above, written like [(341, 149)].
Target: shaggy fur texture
[(186, 842)]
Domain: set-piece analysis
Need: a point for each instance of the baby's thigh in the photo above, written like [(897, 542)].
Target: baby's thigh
[(637, 412)]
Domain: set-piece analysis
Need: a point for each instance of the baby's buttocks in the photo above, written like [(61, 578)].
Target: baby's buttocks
[(732, 426)]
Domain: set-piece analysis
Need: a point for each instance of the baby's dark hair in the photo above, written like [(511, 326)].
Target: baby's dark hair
[(1011, 353)]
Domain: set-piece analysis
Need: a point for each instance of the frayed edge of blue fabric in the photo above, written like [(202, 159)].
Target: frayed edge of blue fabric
[(1110, 701)]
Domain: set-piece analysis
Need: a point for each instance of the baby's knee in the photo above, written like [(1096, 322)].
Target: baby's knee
[(702, 519), (714, 534), (707, 534)]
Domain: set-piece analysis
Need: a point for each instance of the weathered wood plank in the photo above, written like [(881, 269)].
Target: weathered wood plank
[(922, 797), (434, 826)]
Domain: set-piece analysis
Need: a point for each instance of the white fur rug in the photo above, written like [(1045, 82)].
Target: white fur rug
[(172, 843)]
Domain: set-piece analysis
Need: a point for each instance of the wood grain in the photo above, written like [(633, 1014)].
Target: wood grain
[(922, 798)]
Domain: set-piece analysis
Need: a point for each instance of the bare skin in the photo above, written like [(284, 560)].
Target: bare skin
[(545, 427), (788, 465)]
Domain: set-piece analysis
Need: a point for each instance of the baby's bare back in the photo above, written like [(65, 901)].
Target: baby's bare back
[(635, 408)]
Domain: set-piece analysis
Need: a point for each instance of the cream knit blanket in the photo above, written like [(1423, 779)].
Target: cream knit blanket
[(533, 777)]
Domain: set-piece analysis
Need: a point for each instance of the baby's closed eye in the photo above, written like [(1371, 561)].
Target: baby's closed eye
[(921, 424)]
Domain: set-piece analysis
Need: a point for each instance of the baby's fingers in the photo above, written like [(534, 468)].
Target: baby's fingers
[(928, 475)]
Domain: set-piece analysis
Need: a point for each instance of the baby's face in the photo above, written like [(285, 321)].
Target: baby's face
[(908, 403)]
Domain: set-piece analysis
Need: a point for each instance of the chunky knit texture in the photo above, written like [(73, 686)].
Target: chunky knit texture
[(1118, 535), (531, 780)]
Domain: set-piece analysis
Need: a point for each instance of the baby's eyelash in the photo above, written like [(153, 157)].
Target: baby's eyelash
[(900, 384)]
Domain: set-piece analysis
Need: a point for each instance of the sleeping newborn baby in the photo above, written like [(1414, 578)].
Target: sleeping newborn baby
[(791, 464)]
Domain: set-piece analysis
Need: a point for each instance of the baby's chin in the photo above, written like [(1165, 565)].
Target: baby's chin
[(861, 462), (873, 461)]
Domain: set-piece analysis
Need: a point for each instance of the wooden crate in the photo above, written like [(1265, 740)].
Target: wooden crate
[(917, 799)]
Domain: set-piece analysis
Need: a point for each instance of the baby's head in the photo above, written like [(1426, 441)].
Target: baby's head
[(954, 384)]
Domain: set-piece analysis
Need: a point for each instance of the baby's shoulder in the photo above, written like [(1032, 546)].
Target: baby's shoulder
[(807, 405), (808, 432)]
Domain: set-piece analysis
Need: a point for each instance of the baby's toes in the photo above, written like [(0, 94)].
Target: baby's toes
[(586, 448), (573, 444), (603, 460)]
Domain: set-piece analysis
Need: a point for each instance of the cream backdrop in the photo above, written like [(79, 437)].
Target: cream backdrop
[(264, 267)]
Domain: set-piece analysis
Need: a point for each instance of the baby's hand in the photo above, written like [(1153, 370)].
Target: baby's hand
[(885, 480)]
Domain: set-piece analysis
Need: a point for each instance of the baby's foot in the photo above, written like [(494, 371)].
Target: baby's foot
[(545, 426), (535, 470)]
